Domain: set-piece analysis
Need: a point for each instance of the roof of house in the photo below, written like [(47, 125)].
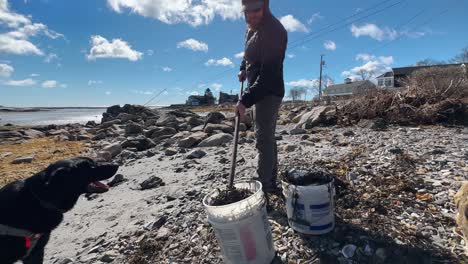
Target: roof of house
[(409, 70), (387, 74), (352, 85)]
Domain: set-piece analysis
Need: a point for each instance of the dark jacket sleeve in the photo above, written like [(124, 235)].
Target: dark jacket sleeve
[(273, 50)]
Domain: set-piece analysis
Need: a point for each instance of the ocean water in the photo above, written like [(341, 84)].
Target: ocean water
[(54, 116)]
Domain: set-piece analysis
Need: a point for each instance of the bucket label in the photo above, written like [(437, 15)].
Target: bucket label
[(246, 241)]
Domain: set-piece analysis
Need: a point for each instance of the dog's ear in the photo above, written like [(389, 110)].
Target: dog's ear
[(58, 176)]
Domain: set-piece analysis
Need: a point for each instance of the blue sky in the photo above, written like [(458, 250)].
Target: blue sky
[(104, 52)]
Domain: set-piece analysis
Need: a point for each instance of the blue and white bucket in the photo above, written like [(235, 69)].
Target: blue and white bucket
[(310, 209)]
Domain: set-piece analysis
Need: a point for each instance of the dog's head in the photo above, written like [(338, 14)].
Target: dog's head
[(64, 181)]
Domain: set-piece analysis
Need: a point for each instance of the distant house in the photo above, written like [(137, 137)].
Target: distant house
[(206, 99), (227, 98), (348, 88), (396, 77)]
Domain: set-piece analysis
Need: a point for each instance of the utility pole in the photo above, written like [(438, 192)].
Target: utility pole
[(320, 80)]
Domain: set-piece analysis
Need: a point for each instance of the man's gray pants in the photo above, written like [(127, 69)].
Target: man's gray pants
[(266, 114)]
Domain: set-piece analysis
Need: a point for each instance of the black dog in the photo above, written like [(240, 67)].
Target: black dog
[(31, 209)]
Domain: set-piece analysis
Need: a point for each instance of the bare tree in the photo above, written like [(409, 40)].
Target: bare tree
[(429, 62), (365, 74), (297, 92), (462, 57)]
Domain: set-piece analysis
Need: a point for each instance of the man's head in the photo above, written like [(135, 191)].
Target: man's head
[(254, 11)]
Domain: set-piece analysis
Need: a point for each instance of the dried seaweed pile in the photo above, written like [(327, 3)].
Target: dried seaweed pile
[(430, 96)]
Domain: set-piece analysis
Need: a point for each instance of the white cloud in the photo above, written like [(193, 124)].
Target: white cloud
[(194, 13), (193, 44), (6, 70), (150, 52), (194, 93), (217, 86), (221, 62), (314, 18), (10, 18), (108, 92), (16, 41), (364, 57), (373, 31), (329, 45), (50, 57), (94, 82), (11, 45), (34, 75), (167, 69), (117, 48), (239, 55), (63, 85), (49, 84), (372, 64), (22, 83), (304, 83), (292, 24), (291, 55), (386, 60)]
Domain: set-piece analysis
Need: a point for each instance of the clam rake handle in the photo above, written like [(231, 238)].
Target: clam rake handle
[(236, 140)]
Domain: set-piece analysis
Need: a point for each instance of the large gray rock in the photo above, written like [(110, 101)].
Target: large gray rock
[(216, 140), (109, 123), (114, 149), (214, 118), (167, 120), (194, 121), (10, 134), (157, 133), (313, 117), (127, 117), (140, 143), (210, 128), (187, 142), (133, 129), (32, 133)]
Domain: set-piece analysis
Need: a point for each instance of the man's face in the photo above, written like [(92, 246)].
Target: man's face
[(254, 17)]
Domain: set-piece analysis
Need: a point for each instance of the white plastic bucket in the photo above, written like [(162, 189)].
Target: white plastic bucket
[(310, 209), (242, 229)]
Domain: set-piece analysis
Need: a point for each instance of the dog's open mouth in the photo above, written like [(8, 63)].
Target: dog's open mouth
[(97, 187)]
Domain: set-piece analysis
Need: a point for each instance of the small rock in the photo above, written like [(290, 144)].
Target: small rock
[(151, 183), (216, 140), (163, 233), (196, 154), (170, 152), (289, 148), (114, 149), (25, 159), (297, 131), (118, 179)]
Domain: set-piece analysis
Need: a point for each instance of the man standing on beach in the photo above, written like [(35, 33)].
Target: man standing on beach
[(265, 48)]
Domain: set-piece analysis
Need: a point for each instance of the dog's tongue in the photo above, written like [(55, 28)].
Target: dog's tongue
[(101, 185), (97, 187)]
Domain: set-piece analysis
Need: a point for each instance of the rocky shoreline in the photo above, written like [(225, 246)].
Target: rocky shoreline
[(395, 186)]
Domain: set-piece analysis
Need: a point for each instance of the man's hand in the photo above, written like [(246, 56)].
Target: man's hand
[(240, 109), (242, 76)]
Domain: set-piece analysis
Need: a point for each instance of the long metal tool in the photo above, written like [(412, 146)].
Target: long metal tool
[(236, 140)]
